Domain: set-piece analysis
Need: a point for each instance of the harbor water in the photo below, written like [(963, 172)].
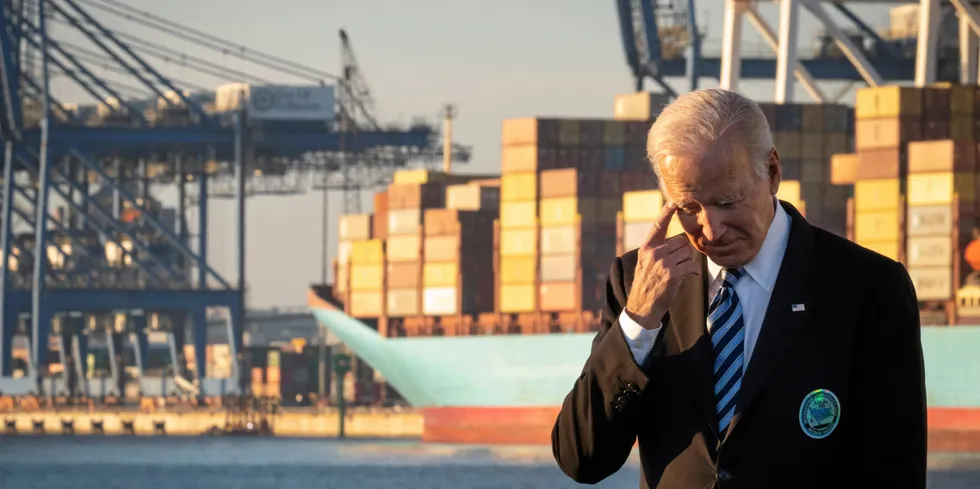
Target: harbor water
[(30, 462)]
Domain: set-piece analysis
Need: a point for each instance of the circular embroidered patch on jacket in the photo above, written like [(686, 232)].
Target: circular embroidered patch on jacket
[(819, 413)]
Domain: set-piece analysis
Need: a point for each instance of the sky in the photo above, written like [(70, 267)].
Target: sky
[(492, 60)]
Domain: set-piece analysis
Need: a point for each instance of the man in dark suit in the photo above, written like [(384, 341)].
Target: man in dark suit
[(754, 350)]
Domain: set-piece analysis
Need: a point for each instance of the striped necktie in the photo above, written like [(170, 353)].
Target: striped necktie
[(727, 332)]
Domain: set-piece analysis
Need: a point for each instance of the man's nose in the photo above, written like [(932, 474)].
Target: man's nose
[(712, 225)]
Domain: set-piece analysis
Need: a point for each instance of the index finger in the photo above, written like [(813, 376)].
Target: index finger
[(658, 232)]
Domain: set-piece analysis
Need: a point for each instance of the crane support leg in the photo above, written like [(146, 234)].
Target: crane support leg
[(731, 45), (802, 74)]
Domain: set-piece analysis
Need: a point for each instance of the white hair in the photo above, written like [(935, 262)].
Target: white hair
[(698, 119)]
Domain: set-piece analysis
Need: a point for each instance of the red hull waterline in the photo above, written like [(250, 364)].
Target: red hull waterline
[(950, 429)]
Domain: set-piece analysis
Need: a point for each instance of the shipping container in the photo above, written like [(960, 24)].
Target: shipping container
[(940, 188), (942, 156), (888, 102), (843, 168), (529, 131), (416, 196), (876, 226), (875, 195), (639, 106), (473, 197), (368, 252), (366, 304), (355, 226), (877, 163), (518, 214), (519, 186)]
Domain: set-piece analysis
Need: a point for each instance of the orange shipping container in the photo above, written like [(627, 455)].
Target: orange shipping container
[(404, 275), (570, 296), (886, 133), (843, 168), (942, 156), (529, 130)]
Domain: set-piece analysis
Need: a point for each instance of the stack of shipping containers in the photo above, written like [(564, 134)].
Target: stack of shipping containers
[(941, 210), (807, 135), (458, 263), (407, 203), (528, 145), (942, 181), (886, 120)]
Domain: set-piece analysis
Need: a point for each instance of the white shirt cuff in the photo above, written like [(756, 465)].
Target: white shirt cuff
[(639, 339)]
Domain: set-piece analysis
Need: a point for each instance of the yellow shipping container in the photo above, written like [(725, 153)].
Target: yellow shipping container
[(518, 298), (888, 101), (366, 304), (367, 252), (522, 158), (518, 214), (642, 205), (877, 195), (873, 226), (518, 186), (367, 277), (888, 248), (518, 269), (567, 211), (789, 190), (519, 242), (406, 247), (440, 274), (940, 188)]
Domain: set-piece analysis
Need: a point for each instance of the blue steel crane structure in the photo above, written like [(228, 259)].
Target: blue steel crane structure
[(661, 39), (110, 260)]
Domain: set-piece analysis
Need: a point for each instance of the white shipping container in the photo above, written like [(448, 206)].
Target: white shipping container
[(439, 301), (558, 240), (930, 251), (560, 268), (932, 283)]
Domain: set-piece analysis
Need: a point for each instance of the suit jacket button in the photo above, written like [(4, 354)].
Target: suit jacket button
[(724, 476)]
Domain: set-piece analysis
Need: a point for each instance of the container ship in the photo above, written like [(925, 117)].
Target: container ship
[(476, 300)]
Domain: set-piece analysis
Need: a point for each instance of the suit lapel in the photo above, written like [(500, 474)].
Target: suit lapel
[(782, 322), (688, 328)]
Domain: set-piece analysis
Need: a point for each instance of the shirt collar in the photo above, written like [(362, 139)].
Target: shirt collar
[(764, 268)]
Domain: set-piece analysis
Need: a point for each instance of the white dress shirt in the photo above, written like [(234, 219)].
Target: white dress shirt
[(753, 290)]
